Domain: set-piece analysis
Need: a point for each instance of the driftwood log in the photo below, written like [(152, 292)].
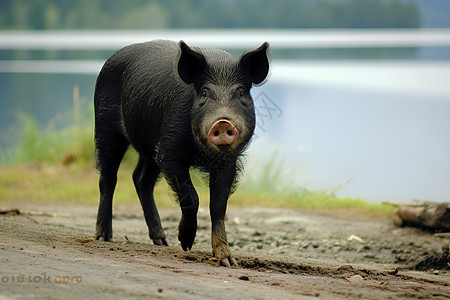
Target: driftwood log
[(423, 214)]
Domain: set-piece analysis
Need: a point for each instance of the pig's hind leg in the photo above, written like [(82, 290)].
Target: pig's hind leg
[(145, 176), (109, 157)]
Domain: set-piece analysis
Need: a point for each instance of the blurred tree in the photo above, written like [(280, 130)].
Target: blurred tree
[(114, 14), (52, 16), (152, 15)]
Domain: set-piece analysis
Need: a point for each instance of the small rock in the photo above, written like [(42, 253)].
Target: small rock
[(394, 272), (436, 272), (355, 278), (243, 277), (355, 238)]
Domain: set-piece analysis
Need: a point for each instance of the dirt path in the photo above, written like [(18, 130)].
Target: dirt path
[(283, 254)]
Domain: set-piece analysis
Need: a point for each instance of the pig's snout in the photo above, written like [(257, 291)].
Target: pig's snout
[(223, 133)]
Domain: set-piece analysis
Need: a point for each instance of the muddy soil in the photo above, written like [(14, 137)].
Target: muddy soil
[(283, 254)]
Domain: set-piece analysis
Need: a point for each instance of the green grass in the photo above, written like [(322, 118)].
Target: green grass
[(63, 140), (66, 140), (57, 166), (314, 201), (43, 183)]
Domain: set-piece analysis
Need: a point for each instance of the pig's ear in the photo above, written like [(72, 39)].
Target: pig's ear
[(255, 63), (191, 64)]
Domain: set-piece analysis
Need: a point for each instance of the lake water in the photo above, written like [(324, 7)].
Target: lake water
[(372, 130), (375, 129)]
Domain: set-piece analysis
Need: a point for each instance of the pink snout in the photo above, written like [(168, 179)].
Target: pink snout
[(223, 133)]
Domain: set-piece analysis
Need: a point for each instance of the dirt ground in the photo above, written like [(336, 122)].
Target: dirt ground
[(283, 254)]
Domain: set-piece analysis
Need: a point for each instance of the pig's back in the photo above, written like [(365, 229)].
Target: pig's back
[(153, 97)]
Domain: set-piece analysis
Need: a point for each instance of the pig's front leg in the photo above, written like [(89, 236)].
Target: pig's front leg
[(220, 186), (187, 196)]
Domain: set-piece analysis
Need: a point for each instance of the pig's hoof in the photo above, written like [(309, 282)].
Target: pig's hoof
[(103, 237), (103, 233), (187, 240), (222, 252), (158, 237), (160, 242), (228, 262), (186, 232)]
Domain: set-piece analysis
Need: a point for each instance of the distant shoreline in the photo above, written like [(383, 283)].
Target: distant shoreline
[(225, 38)]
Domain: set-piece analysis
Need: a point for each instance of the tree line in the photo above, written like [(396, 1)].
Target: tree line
[(158, 14)]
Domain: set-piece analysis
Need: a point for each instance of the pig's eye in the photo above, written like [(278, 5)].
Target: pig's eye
[(203, 99)]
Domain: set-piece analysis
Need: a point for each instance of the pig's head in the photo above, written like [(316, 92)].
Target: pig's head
[(223, 113)]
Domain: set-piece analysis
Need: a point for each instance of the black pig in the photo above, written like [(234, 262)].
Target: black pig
[(178, 107)]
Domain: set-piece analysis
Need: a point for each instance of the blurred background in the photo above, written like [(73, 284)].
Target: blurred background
[(357, 103)]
